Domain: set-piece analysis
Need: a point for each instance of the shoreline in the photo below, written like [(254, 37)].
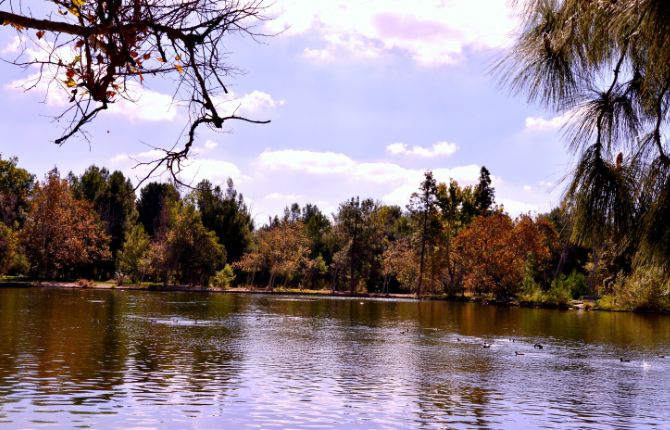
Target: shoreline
[(585, 305), (574, 305)]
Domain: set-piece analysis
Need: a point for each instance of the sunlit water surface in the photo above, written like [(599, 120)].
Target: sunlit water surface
[(119, 360)]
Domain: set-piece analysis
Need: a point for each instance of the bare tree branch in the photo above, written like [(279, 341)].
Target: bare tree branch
[(95, 49)]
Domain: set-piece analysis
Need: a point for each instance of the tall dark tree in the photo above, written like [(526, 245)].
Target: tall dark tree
[(153, 207), (424, 208), (484, 193), (113, 198), (318, 228), (227, 215), (360, 238)]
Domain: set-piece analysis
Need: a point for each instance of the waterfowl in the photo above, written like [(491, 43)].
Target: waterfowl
[(458, 339), (538, 346), (518, 353), (624, 360), (486, 345)]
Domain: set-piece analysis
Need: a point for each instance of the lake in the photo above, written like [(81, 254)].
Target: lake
[(109, 359)]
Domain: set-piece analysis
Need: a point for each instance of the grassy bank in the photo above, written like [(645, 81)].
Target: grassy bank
[(557, 297)]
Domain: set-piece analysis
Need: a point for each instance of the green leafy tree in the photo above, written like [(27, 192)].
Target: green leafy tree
[(133, 258), (224, 278), (16, 185), (227, 215), (319, 231), (12, 259), (192, 251)]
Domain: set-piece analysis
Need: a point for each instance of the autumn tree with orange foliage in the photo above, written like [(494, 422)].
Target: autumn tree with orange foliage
[(61, 234), (496, 251)]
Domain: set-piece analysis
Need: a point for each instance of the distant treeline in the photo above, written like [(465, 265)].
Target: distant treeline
[(449, 239)]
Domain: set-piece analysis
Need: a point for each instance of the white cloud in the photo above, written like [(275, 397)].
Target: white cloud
[(284, 197), (318, 55), (145, 105), (540, 124), (253, 103), (216, 171), (430, 31), (193, 170), (528, 188), (438, 149), (14, 46), (142, 104), (402, 181), (397, 148), (464, 175), (119, 158), (515, 207), (151, 154), (139, 104), (306, 161), (547, 185), (208, 146)]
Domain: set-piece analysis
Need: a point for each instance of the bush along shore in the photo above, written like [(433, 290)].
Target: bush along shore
[(448, 242), (550, 301)]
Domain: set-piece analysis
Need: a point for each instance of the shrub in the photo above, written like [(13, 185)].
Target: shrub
[(575, 284), (648, 287), (84, 283), (223, 278)]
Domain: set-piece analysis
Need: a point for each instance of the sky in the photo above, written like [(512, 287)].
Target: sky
[(363, 98)]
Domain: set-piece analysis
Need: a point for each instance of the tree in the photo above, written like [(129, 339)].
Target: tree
[(605, 65), (484, 193), (192, 252), (495, 252), (224, 278), (16, 185), (398, 262), (359, 238), (113, 198), (227, 215), (12, 259), (62, 234), (281, 249), (154, 205), (423, 206), (98, 52), (318, 229), (133, 258)]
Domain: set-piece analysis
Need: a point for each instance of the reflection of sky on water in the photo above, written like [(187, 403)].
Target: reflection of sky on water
[(109, 359)]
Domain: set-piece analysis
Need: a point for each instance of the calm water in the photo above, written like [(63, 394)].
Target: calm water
[(114, 359)]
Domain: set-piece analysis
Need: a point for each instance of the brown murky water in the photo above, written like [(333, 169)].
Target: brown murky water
[(121, 360)]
